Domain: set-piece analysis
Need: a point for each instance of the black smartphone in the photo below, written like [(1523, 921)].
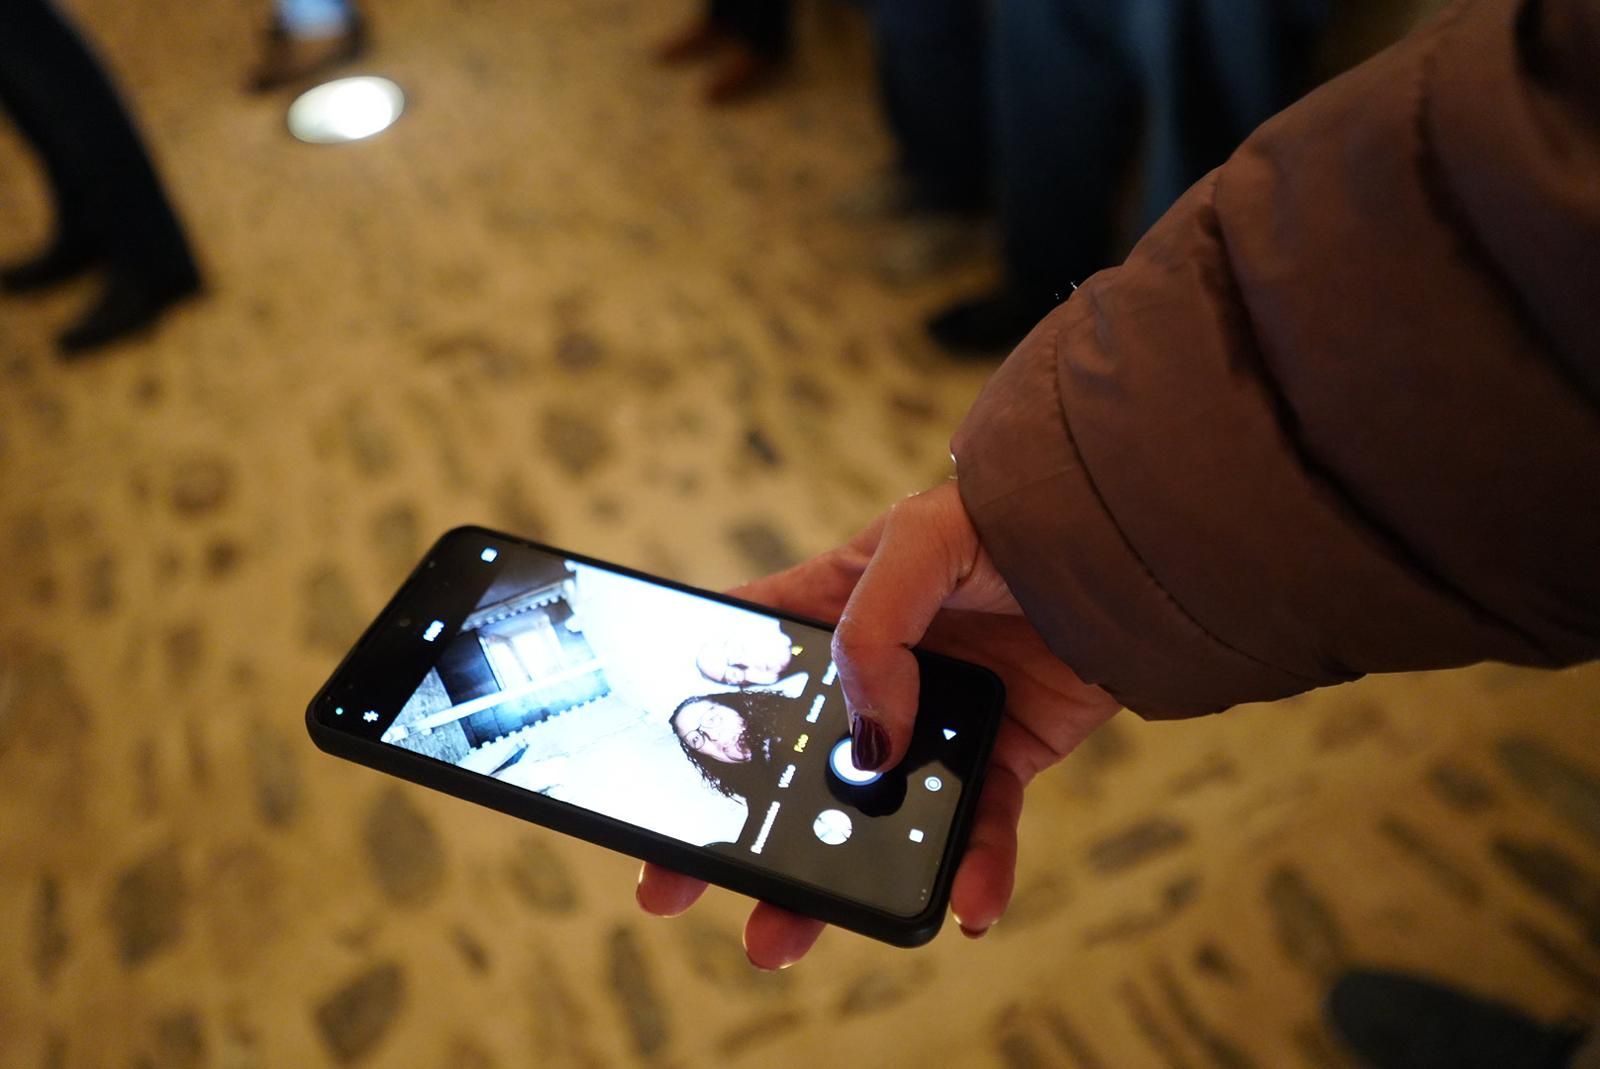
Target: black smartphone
[(676, 725)]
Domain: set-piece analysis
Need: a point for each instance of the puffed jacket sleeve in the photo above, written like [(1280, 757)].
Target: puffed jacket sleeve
[(1339, 411)]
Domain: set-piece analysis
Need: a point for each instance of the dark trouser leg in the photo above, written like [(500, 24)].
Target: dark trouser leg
[(1261, 55), (933, 79), (1212, 71), (74, 244), (103, 182), (1065, 108)]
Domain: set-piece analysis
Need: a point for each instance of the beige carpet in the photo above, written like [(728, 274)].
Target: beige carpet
[(562, 299)]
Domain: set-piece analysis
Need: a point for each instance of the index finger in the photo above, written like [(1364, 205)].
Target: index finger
[(924, 553)]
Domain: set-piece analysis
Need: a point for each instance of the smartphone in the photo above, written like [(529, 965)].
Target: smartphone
[(679, 726)]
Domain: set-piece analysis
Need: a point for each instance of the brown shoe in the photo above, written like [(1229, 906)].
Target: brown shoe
[(741, 75), (693, 42), (288, 59)]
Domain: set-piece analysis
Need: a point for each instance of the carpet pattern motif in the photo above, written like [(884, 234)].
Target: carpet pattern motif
[(562, 299)]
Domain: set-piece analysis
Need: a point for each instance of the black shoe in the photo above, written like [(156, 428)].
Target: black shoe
[(66, 258), (1393, 1021), (993, 324), (287, 59), (126, 306)]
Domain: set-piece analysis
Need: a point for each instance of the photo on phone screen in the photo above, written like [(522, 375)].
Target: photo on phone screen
[(719, 726)]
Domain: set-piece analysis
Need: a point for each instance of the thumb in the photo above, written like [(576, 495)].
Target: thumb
[(925, 550)]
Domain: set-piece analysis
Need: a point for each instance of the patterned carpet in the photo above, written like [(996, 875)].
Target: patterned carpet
[(561, 298)]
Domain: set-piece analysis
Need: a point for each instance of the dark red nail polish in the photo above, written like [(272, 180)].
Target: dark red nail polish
[(974, 933), (869, 743)]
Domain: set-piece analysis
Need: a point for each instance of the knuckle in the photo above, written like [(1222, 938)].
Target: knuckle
[(901, 513)]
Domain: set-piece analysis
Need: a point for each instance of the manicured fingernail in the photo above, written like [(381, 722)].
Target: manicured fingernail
[(974, 933), (869, 743)]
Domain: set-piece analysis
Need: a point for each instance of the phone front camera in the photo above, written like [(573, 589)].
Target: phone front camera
[(403, 621)]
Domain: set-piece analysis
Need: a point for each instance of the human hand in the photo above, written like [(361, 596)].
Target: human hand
[(918, 576)]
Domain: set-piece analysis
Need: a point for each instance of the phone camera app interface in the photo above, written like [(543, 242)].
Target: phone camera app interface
[(842, 761), (832, 826), (713, 724)]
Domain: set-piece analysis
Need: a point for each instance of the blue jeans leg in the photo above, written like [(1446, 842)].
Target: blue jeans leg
[(1212, 71), (932, 76), (1065, 117), (315, 18)]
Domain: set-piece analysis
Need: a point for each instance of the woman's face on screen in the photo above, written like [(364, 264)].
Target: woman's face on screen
[(713, 730)]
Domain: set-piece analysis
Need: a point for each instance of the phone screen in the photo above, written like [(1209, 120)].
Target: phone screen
[(707, 722)]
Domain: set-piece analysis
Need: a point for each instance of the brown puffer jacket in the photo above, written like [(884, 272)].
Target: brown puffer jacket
[(1339, 411)]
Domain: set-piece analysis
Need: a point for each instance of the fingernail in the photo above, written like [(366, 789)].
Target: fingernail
[(974, 933), (869, 743), (767, 968)]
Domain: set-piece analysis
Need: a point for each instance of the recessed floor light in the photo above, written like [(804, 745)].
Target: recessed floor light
[(349, 109)]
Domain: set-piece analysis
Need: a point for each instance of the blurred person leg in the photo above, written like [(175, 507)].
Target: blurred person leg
[(1212, 71), (932, 78), (1074, 80), (306, 38), (1065, 109), (109, 204), (73, 247), (932, 68)]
